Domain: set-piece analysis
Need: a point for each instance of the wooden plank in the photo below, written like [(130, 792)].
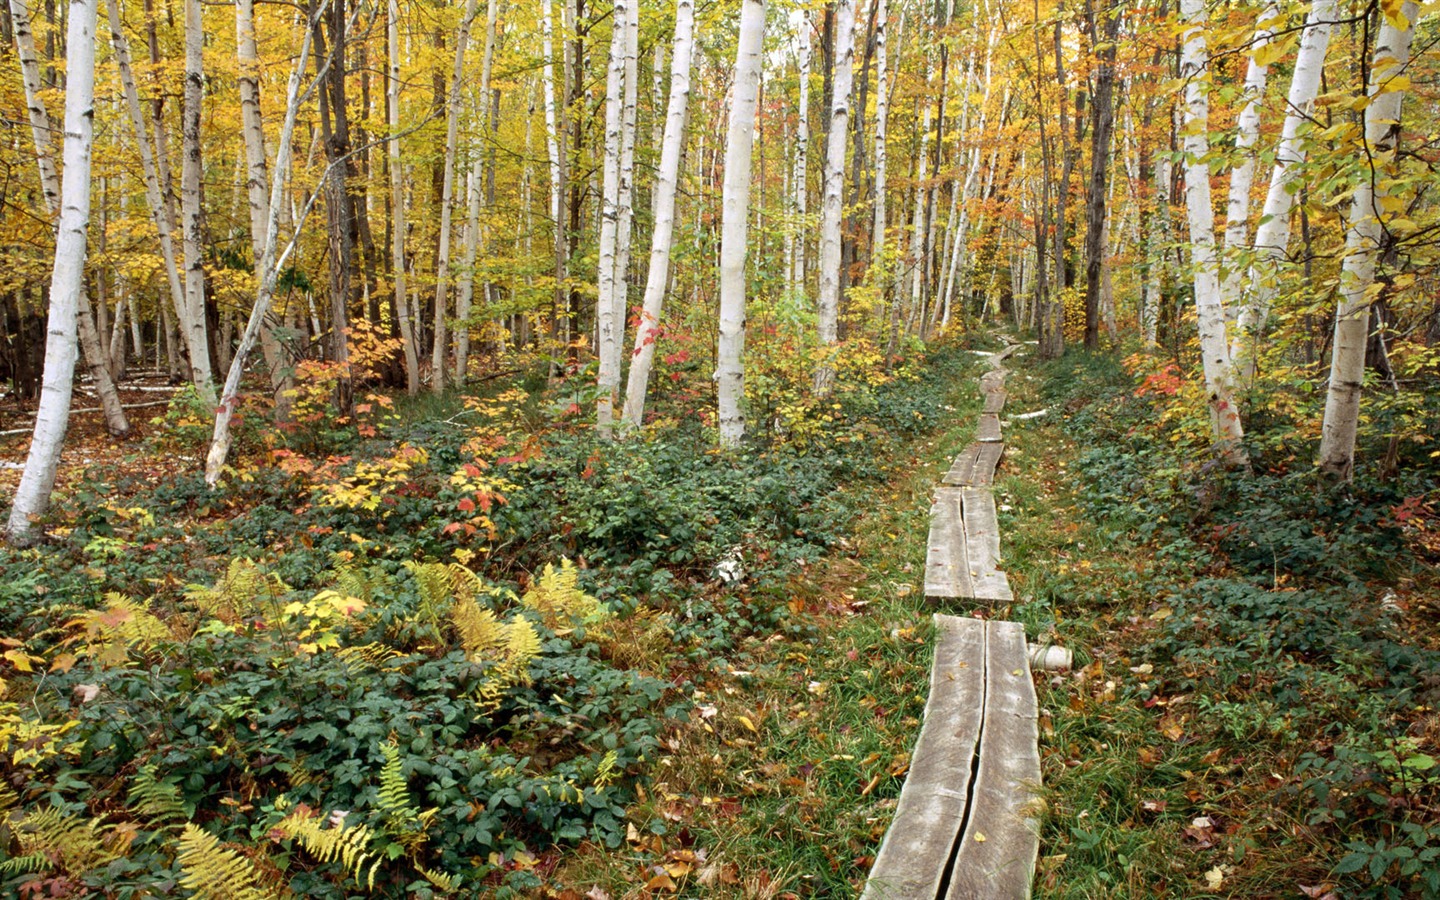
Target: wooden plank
[(1002, 804), (992, 381), (916, 853), (947, 571), (994, 401), (992, 586), (982, 532), (983, 472), (962, 470), (989, 429), (1006, 353)]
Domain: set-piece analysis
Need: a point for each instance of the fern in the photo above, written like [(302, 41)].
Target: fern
[(71, 844), (214, 872), (109, 634), (344, 845), (374, 655), (24, 865), (244, 591), (479, 631), (439, 879), (404, 821), (556, 595), (157, 799)]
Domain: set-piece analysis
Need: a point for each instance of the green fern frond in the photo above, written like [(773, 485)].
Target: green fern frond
[(607, 770), (215, 872), (73, 844), (405, 822), (245, 590), (155, 798), (24, 865), (557, 596), (344, 845)]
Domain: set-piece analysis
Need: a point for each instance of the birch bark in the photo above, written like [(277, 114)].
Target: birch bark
[(51, 188), (735, 210), (32, 497), (832, 200), (397, 201), (647, 332), (1363, 236), (1214, 351), (1272, 235), (609, 332), (191, 208)]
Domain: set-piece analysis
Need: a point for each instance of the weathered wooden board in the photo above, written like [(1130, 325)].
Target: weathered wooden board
[(993, 380), (997, 852), (947, 571), (1005, 354), (916, 854), (982, 533), (962, 470), (994, 401), (987, 463), (989, 429)]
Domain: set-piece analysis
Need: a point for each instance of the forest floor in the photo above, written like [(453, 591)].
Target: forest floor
[(1252, 711)]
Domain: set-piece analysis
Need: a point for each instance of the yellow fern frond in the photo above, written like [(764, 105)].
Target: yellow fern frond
[(374, 655), (73, 844), (480, 633), (108, 635), (346, 845), (557, 596), (215, 872), (245, 590), (156, 799), (440, 880)]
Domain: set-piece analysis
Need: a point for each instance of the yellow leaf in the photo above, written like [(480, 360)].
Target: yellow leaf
[(745, 720), (21, 660), (979, 837)]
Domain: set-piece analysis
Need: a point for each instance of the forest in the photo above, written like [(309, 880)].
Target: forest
[(486, 448)]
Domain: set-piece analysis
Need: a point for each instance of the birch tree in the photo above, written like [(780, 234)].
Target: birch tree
[(1272, 235), (191, 206), (1214, 350), (832, 199), (51, 190), (801, 177), (609, 325), (735, 214), (662, 241), (447, 200), (1364, 234), (32, 497), (397, 202), (473, 193)]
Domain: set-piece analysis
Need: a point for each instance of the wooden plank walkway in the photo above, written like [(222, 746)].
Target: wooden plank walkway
[(964, 826)]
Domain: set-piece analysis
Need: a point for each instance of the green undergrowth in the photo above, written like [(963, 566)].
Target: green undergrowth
[(466, 650), (1253, 708)]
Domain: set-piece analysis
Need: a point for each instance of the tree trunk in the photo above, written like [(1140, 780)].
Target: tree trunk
[(609, 331), (397, 203), (50, 185), (735, 214), (1102, 127), (473, 232), (1272, 235), (648, 331), (1214, 351), (192, 208), (801, 177), (1363, 236), (32, 497), (834, 194)]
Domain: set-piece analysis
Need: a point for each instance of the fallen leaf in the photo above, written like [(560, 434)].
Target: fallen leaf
[(745, 720), (87, 692), (1214, 878), (661, 882), (979, 838)]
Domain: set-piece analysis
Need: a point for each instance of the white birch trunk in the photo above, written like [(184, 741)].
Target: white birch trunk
[(32, 496), (800, 180), (1242, 176), (735, 214), (50, 186), (1155, 252), (918, 227), (647, 333), (1214, 350), (464, 301), (832, 201), (609, 332), (268, 268), (191, 210), (1363, 235), (552, 150), (882, 119), (397, 201), (447, 201), (1272, 236)]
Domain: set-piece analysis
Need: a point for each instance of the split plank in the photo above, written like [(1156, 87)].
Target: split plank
[(917, 851), (994, 401), (962, 471), (987, 463), (1001, 841), (989, 429), (947, 570)]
